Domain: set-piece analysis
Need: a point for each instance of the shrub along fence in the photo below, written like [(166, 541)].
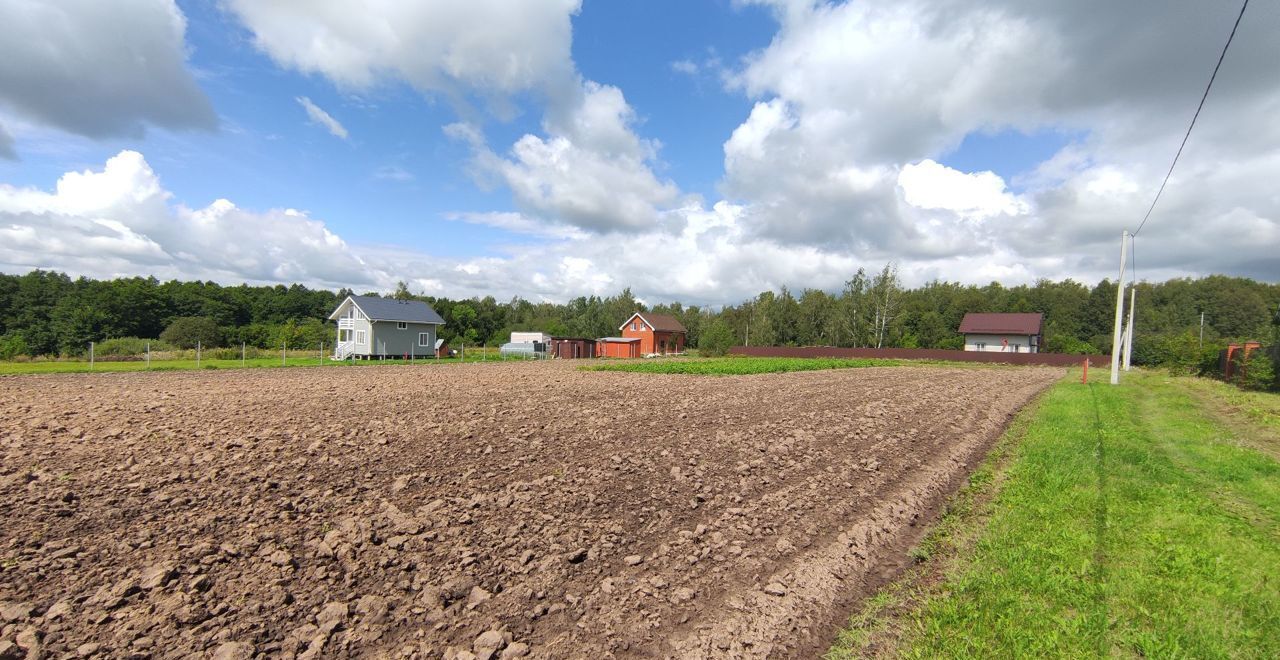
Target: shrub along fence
[(1251, 365), (1047, 359)]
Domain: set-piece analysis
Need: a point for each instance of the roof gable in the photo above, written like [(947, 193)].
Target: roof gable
[(389, 309), (1002, 324), (659, 322)]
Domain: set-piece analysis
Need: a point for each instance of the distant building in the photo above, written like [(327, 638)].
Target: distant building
[(442, 348), (658, 333), (1008, 333), (530, 337), (369, 326)]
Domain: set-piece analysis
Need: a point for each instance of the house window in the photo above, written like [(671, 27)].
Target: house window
[(633, 325), (981, 346), (344, 335), (401, 325), (360, 336), (424, 338)]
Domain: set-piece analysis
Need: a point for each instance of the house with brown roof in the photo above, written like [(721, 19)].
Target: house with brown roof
[(1003, 333), (659, 334)]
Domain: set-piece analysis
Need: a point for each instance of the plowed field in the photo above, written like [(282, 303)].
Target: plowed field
[(499, 510)]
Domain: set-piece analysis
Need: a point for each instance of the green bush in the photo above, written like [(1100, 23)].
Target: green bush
[(261, 335), (128, 346), (716, 340), (952, 343), (1258, 372), (12, 345), (186, 331), (306, 333), (1068, 344)]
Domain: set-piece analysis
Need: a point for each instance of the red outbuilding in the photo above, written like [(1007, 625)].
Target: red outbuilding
[(658, 333), (567, 348), (618, 347)]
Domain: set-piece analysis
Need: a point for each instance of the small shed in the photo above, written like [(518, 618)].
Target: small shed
[(1007, 333), (442, 348), (618, 347), (568, 348)]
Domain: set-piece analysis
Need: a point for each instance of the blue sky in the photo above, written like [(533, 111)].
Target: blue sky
[(691, 150)]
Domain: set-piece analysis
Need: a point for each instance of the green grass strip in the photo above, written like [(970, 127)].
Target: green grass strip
[(1129, 523), (739, 366), (105, 366)]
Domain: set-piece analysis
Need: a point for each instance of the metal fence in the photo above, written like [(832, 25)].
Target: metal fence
[(1046, 359)]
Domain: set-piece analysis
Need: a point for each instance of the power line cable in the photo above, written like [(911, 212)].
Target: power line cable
[(1193, 118)]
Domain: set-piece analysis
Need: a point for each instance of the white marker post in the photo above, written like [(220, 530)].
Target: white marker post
[(1115, 337), (90, 355)]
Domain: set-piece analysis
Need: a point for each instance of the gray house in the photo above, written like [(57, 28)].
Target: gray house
[(375, 327)]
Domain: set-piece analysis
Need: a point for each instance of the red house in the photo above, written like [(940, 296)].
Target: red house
[(658, 333)]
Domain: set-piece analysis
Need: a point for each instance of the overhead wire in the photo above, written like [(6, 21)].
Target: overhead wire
[(1200, 107)]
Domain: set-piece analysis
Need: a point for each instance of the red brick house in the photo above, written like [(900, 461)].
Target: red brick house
[(658, 333)]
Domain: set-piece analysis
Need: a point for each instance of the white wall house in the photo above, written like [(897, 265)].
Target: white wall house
[(1003, 333)]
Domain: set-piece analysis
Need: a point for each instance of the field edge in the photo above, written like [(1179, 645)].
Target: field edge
[(876, 627)]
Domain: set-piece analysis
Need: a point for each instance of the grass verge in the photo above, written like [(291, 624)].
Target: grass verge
[(739, 366), (1129, 521)]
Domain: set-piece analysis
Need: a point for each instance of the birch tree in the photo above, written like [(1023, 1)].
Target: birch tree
[(886, 297)]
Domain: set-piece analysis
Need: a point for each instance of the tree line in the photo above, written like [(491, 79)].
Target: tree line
[(49, 313)]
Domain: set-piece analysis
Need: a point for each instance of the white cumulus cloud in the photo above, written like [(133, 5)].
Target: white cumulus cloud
[(858, 104), (591, 170), (120, 221), (99, 69), (491, 46), (976, 196)]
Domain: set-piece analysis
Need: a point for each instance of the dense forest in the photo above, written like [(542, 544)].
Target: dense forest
[(49, 313)]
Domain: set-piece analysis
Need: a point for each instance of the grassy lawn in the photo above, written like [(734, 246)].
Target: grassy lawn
[(737, 366), (1125, 521), (294, 360)]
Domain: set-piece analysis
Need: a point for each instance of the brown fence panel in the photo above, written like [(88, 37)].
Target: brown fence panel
[(1047, 359)]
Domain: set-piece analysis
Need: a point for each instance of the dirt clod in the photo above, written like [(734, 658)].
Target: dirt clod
[(233, 651)]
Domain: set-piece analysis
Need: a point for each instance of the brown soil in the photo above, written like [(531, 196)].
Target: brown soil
[(494, 510)]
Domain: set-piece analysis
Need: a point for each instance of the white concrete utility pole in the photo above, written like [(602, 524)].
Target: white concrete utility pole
[(1115, 337), (1128, 332)]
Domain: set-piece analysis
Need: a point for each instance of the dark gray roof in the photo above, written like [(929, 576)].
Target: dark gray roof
[(389, 309)]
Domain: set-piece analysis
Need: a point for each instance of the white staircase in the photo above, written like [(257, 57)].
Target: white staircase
[(343, 350)]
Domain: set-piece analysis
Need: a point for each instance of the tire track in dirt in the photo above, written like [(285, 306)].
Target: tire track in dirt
[(477, 510)]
